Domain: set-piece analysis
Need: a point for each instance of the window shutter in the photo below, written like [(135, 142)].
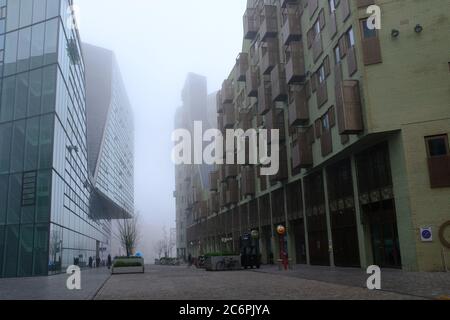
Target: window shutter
[(318, 126), (332, 117), (326, 66), (309, 37), (314, 82), (343, 45)]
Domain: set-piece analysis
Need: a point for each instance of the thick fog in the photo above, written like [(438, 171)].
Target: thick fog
[(157, 42)]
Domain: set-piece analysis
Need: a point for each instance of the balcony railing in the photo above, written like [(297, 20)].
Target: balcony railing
[(302, 156), (298, 107), (251, 24), (292, 30), (264, 98), (278, 81), (269, 56), (227, 91), (348, 108), (269, 22), (242, 66), (295, 66), (251, 82)]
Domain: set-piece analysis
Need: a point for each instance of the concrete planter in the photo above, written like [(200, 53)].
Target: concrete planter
[(120, 265), (223, 263), (128, 270)]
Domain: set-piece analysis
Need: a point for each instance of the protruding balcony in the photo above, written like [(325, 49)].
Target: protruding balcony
[(269, 56), (278, 80), (348, 108), (269, 22), (295, 65), (213, 180), (248, 181), (232, 194), (251, 82), (264, 98), (292, 30), (302, 155), (242, 66), (274, 120), (298, 107), (219, 105), (229, 117), (251, 24), (227, 92)]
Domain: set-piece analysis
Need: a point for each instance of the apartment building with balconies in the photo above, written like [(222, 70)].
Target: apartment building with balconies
[(364, 121)]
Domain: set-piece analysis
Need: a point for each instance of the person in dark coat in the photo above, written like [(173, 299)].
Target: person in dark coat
[(90, 262), (109, 261)]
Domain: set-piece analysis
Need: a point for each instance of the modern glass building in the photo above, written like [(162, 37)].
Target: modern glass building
[(47, 220)]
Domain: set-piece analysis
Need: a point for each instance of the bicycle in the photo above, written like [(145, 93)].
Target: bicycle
[(226, 264)]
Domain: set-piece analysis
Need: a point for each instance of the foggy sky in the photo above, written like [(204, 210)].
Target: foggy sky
[(157, 42)]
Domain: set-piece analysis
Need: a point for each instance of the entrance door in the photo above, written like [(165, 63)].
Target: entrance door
[(385, 242)]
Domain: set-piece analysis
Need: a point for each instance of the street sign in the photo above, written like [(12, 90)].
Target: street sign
[(426, 234)]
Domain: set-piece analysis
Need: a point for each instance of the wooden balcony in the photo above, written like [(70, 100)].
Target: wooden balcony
[(269, 56), (242, 65), (298, 107), (227, 92), (302, 155), (295, 65), (269, 22), (322, 93), (351, 61), (317, 47), (229, 117), (248, 181), (232, 193), (292, 30), (348, 108), (251, 24), (213, 180), (251, 82), (264, 98), (231, 171), (278, 81)]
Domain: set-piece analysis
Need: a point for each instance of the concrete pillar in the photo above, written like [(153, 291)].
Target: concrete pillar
[(308, 260), (290, 231), (327, 211)]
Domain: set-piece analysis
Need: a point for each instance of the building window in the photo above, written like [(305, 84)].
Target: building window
[(337, 55), (350, 38), (366, 31), (321, 73), (437, 146), (332, 5)]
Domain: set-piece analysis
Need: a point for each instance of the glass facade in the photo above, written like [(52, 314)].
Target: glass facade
[(45, 221)]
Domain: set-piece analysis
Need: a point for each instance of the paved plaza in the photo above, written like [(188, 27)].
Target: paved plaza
[(268, 283)]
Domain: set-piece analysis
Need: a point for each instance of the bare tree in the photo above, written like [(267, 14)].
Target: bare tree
[(128, 233), (159, 248)]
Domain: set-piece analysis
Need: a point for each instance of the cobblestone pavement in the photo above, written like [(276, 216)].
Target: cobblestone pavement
[(53, 287), (182, 283), (421, 284)]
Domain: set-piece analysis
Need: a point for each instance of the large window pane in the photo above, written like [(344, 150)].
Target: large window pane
[(37, 45), (40, 261), (39, 10), (3, 199), (11, 251), (51, 41), (26, 10), (8, 96), (46, 142), (10, 53), (23, 52), (13, 15), (35, 93), (26, 251), (49, 89), (43, 196), (21, 96), (2, 248), (14, 199), (5, 146), (32, 144), (52, 8), (18, 146)]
